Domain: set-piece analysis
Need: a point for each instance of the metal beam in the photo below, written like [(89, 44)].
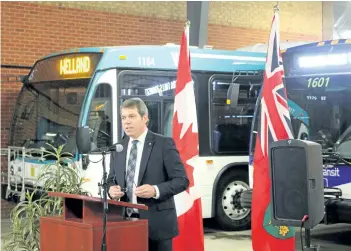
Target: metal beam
[(327, 20), (197, 14), (16, 66)]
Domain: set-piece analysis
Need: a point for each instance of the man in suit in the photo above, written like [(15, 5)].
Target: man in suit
[(150, 171)]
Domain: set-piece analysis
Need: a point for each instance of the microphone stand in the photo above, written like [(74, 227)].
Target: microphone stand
[(104, 187), (308, 246), (103, 151)]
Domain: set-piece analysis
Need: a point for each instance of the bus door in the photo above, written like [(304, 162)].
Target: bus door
[(102, 109), (157, 90), (98, 114), (160, 114)]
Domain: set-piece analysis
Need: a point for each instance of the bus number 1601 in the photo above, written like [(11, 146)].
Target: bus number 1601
[(318, 82)]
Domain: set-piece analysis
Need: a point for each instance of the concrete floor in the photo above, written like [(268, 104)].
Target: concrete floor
[(228, 241), (330, 238)]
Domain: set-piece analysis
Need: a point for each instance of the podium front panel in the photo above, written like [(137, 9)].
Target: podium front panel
[(58, 234)]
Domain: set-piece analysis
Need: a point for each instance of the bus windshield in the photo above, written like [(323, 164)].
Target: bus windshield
[(320, 107), (48, 113), (49, 105), (328, 111)]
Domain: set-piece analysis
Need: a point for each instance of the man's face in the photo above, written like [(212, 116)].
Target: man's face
[(133, 124)]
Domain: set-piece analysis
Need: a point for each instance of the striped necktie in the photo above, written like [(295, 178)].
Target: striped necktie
[(131, 169)]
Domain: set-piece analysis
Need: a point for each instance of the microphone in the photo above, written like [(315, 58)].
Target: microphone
[(114, 148)]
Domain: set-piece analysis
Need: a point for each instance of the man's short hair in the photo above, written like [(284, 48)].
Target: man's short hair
[(136, 103)]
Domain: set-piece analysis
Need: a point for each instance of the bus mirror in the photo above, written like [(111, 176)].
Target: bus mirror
[(83, 140), (233, 95)]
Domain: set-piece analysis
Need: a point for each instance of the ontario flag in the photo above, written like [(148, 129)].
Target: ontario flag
[(185, 134), (274, 124)]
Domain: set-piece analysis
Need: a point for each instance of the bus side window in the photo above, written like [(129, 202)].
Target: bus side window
[(231, 123), (100, 117), (254, 130), (168, 119)]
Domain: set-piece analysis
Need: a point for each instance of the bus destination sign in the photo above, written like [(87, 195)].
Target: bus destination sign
[(65, 67), (74, 66)]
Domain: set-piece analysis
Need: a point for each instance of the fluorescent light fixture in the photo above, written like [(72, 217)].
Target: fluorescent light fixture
[(49, 134), (325, 60)]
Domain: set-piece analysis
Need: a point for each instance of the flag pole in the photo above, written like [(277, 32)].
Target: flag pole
[(187, 32), (187, 28)]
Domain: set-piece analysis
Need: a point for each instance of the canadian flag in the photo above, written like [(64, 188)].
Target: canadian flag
[(185, 134)]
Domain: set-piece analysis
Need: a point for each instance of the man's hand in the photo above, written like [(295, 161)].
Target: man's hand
[(115, 192), (145, 191)]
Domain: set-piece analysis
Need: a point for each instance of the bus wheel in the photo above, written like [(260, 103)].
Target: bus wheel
[(230, 215)]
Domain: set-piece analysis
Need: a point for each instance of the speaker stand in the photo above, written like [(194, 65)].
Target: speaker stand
[(308, 246)]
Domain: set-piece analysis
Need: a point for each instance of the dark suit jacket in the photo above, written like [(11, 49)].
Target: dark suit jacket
[(160, 165)]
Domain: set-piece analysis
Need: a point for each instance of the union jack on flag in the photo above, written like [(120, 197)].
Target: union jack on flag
[(275, 118), (274, 124)]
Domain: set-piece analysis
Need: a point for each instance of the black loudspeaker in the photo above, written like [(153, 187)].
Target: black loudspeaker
[(296, 172)]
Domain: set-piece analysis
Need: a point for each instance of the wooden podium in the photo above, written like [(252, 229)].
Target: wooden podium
[(81, 226)]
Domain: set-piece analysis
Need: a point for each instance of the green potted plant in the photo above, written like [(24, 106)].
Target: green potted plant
[(59, 176)]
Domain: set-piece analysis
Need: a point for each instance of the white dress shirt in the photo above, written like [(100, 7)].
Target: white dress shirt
[(140, 147)]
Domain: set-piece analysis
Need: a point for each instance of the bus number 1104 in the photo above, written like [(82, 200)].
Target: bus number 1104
[(146, 61), (318, 82)]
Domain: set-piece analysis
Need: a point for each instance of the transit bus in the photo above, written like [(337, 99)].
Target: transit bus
[(318, 84), (85, 86)]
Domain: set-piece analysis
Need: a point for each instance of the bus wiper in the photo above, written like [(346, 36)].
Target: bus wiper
[(29, 141), (343, 137), (335, 158), (36, 147)]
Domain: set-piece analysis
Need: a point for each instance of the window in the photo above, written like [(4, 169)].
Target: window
[(157, 91), (256, 120), (231, 123), (154, 109), (48, 113), (168, 119), (148, 85), (100, 117)]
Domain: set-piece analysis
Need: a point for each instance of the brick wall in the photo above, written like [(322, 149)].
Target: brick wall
[(9, 92), (296, 17), (31, 30)]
